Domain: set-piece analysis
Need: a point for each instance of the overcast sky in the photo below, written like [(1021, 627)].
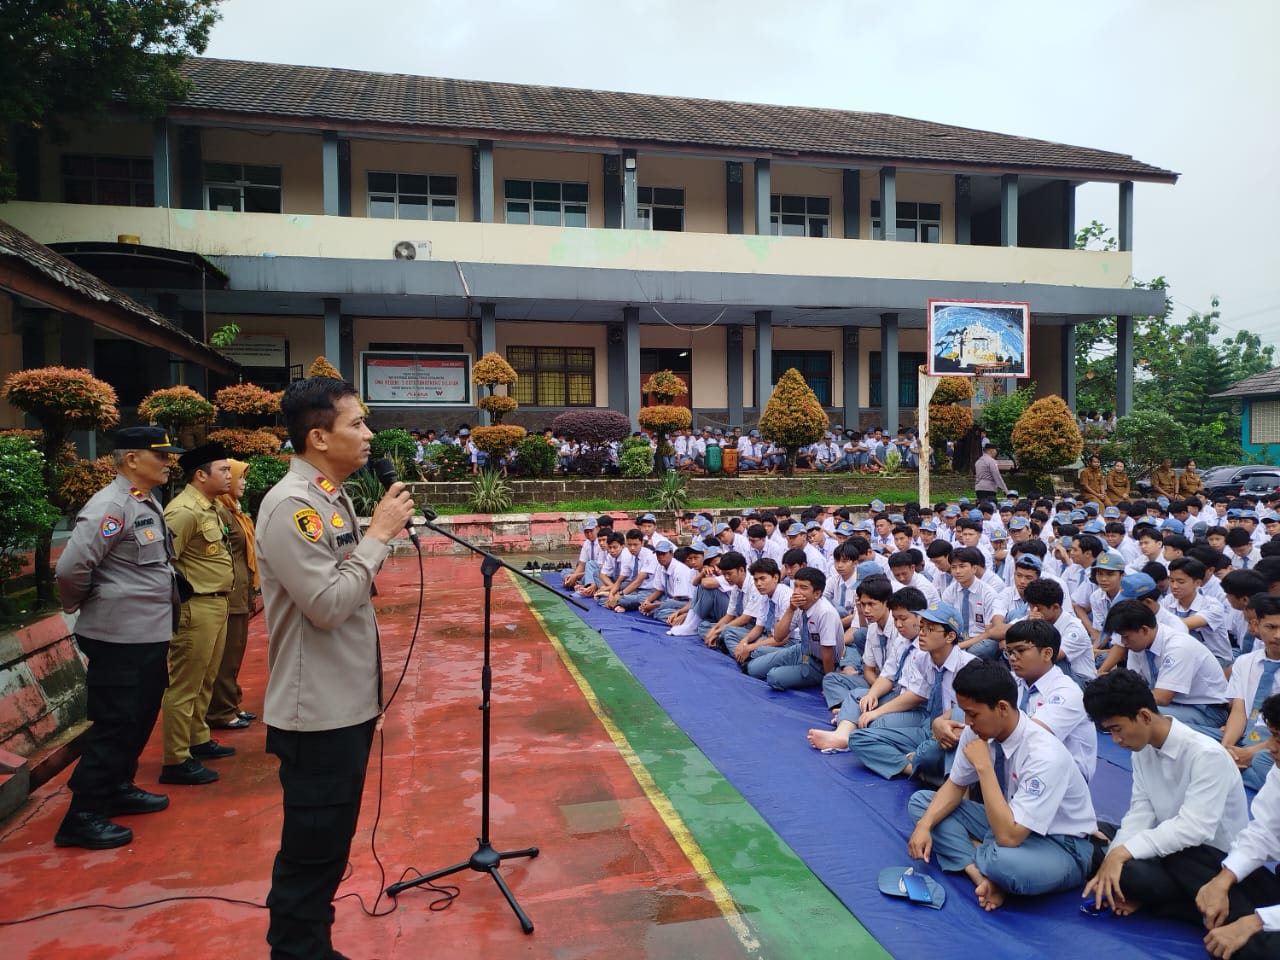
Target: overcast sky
[(1186, 85)]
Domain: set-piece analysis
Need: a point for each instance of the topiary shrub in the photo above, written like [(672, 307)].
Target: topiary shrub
[(948, 422), (26, 514), (490, 372), (176, 408), (664, 420), (665, 386), (635, 459), (497, 406), (321, 367), (393, 444), (450, 463), (793, 417), (594, 425), (81, 479), (246, 444), (953, 390), (536, 457), (1045, 438), (264, 473), (497, 439), (248, 400)]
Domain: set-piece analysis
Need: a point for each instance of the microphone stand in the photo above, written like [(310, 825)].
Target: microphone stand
[(485, 859)]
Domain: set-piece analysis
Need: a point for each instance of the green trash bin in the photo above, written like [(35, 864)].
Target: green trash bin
[(714, 455)]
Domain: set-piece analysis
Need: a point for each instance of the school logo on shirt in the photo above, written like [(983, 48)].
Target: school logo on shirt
[(1034, 786), (336, 521), (325, 484), (309, 524), (111, 525)]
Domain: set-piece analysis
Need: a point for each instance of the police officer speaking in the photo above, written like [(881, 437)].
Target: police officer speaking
[(115, 572), (202, 556), (324, 688)]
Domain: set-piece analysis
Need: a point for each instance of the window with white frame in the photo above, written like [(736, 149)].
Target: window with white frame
[(547, 203), (119, 181), (916, 222), (1264, 422), (242, 188), (660, 208), (412, 196), (795, 216)]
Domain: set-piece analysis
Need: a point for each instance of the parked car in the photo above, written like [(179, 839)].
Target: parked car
[(1261, 484), (1229, 483)]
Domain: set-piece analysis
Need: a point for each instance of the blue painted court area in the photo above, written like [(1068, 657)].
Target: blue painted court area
[(847, 824)]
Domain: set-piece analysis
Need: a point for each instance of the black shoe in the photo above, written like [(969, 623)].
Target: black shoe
[(246, 715), (211, 750), (93, 831), (190, 772), (132, 799), (239, 723)]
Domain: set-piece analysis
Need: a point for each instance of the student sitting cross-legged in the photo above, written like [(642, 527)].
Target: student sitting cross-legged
[(926, 748), (855, 674), (1241, 904), (820, 642), (1255, 678), (1186, 807), (736, 622), (1032, 829), (772, 597), (885, 700), (637, 580)]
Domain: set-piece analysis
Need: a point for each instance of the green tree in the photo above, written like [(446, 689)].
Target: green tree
[(61, 59), (793, 417), (25, 512), (1146, 437), (1000, 414)]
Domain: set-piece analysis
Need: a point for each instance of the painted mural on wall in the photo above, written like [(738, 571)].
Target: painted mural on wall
[(978, 338)]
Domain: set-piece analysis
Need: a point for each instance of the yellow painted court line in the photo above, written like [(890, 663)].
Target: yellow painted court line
[(657, 798)]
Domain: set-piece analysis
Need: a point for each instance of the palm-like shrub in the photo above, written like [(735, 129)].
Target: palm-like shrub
[(490, 493), (793, 417)]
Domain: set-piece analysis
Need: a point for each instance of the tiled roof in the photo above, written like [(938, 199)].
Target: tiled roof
[(338, 98), (1266, 383)]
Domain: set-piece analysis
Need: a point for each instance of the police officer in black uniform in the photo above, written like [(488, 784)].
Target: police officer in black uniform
[(115, 573)]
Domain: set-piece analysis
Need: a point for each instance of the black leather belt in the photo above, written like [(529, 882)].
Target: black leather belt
[(221, 594)]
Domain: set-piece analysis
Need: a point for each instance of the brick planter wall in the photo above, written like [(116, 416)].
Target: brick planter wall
[(42, 688)]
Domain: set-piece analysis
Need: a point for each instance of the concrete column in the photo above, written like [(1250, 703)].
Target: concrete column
[(1009, 210), (630, 190), (631, 321), (964, 209), (851, 203), (1124, 366), (346, 359), (482, 192), (1068, 215), (763, 193), (190, 168), (1067, 349), (161, 164), (733, 197), (849, 367), (332, 343), (616, 359), (329, 164), (193, 374), (888, 203), (733, 361), (1124, 235), (612, 191), (764, 359), (487, 341), (344, 178), (889, 371)]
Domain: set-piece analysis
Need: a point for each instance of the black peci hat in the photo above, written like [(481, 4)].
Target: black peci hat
[(198, 457)]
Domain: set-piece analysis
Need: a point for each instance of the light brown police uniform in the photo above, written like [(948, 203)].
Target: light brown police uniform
[(200, 546)]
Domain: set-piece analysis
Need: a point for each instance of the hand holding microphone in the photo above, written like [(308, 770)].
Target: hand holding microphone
[(394, 511)]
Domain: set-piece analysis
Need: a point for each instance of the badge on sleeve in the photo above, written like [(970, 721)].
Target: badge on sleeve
[(1034, 786), (111, 525), (336, 521), (309, 524)]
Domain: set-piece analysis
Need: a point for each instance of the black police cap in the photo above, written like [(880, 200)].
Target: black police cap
[(145, 438)]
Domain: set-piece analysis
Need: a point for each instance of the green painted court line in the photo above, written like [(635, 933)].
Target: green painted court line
[(792, 913)]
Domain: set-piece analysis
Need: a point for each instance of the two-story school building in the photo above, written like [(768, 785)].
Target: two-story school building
[(403, 226)]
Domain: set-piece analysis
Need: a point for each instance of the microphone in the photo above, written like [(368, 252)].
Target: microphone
[(385, 471)]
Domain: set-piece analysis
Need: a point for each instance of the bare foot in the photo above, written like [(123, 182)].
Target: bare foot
[(990, 897), (828, 740), (1126, 908), (906, 771), (619, 609)]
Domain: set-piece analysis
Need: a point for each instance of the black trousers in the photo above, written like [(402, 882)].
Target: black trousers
[(125, 682), (322, 775)]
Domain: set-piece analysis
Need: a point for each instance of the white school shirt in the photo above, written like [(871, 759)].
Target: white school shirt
[(1010, 606), (1132, 554), (814, 557), (647, 563), (1057, 702), (1259, 842), (741, 544), (1246, 674), (747, 591), (832, 591), (1046, 791), (680, 580), (1186, 793), (591, 550), (924, 585), (919, 673), (779, 541), (1184, 665), (1099, 606), (780, 599), (1076, 645), (1212, 588), (1214, 634), (880, 641), (982, 603), (1170, 619), (822, 628)]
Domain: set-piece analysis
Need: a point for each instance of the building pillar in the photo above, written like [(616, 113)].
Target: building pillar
[(733, 362), (1068, 215), (332, 324), (849, 366), (190, 168), (344, 178), (733, 199), (851, 203), (631, 323), (161, 164), (193, 374), (964, 209), (1124, 235), (1124, 366), (1009, 210), (329, 166), (764, 359), (487, 341), (888, 203), (763, 193), (630, 191), (612, 191), (346, 359), (889, 371), (1067, 351), (482, 182), (616, 359)]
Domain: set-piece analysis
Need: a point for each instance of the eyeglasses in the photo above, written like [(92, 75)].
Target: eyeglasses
[(1013, 653)]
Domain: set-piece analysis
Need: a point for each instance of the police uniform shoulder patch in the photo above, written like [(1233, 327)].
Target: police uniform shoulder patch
[(336, 521), (325, 484), (309, 525), (137, 494), (111, 525)]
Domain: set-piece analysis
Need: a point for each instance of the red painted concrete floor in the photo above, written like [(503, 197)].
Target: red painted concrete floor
[(610, 880)]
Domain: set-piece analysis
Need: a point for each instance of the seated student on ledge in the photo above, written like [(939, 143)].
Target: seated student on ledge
[(1186, 807), (1032, 829), (1241, 905), (1256, 677)]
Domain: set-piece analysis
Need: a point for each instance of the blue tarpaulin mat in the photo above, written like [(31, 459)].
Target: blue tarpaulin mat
[(846, 823)]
